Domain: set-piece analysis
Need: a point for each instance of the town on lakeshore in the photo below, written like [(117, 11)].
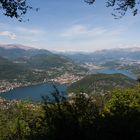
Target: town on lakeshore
[(63, 79)]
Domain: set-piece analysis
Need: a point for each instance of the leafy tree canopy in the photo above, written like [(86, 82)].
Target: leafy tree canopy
[(15, 8), (120, 6), (138, 78)]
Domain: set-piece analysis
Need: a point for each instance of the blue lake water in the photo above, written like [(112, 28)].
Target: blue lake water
[(113, 71), (34, 93)]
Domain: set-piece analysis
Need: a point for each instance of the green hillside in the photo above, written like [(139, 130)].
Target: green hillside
[(53, 61), (9, 70), (101, 83), (43, 61), (37, 68), (13, 51)]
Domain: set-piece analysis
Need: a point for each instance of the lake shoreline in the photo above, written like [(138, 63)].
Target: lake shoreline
[(27, 85), (115, 71), (33, 92)]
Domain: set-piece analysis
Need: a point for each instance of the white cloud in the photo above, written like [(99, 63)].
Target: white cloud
[(75, 30), (29, 30), (83, 37), (9, 34), (81, 30), (86, 31)]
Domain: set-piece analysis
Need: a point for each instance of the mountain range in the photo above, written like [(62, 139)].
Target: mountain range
[(14, 51), (18, 59), (127, 59), (34, 58), (106, 54), (29, 65)]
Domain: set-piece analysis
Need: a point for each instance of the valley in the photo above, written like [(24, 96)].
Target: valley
[(22, 66), (127, 59)]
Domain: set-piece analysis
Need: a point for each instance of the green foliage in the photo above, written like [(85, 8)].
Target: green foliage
[(101, 83), (36, 67), (17, 120), (78, 116), (54, 62), (44, 61), (120, 6), (86, 117), (9, 70), (73, 118), (124, 101), (138, 78), (15, 8), (122, 114)]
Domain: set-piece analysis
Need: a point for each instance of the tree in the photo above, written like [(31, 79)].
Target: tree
[(80, 116), (71, 117), (122, 115), (121, 6), (138, 79), (15, 8)]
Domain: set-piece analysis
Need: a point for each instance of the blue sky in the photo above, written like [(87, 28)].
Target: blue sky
[(71, 25)]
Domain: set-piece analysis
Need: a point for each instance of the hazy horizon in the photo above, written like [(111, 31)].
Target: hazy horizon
[(22, 46)]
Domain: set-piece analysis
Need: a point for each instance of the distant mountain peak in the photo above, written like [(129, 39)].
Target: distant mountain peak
[(135, 49), (15, 46)]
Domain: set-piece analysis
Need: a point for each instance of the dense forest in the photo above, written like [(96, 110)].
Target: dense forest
[(79, 116)]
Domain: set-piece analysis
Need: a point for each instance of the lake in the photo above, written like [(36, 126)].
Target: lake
[(113, 71), (34, 92)]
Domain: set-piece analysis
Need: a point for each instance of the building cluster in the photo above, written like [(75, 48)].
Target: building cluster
[(7, 86), (67, 78)]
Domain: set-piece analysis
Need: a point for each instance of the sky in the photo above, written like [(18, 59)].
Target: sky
[(71, 25)]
